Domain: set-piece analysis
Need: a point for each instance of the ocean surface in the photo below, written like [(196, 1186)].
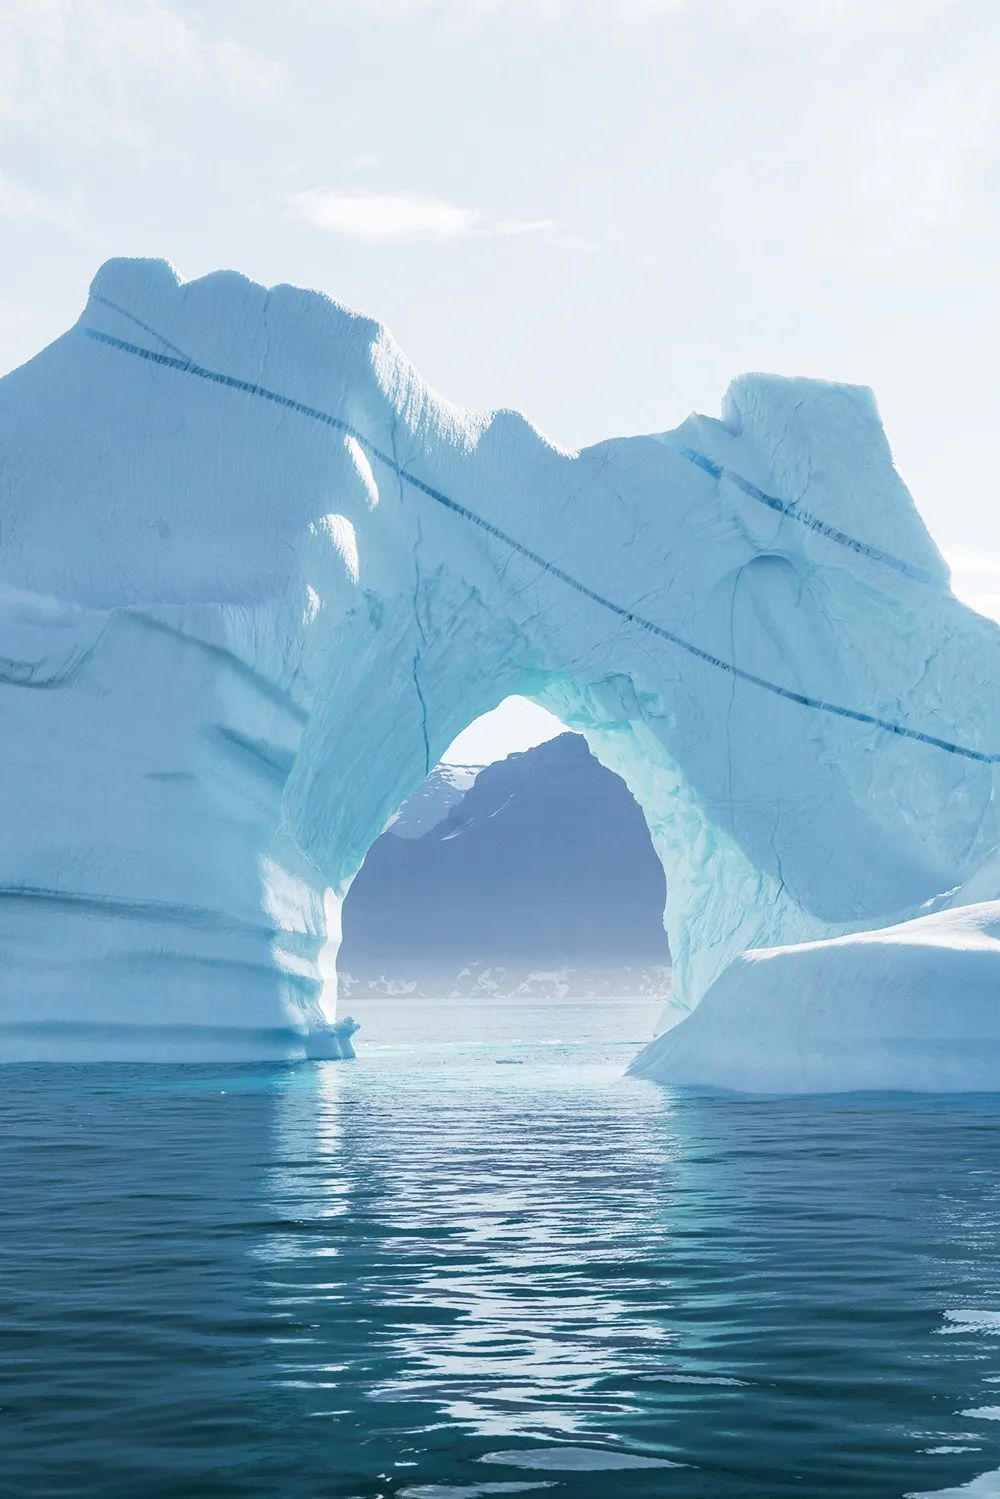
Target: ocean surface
[(481, 1261)]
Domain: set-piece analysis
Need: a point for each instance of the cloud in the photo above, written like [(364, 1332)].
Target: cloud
[(975, 578), (810, 16), (383, 218), (91, 69), (473, 12), (872, 17), (930, 155), (26, 208)]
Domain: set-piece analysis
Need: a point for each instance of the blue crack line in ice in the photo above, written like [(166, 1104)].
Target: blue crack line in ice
[(231, 382), (791, 508), (96, 296)]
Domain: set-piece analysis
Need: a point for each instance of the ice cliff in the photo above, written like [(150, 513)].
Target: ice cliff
[(256, 577)]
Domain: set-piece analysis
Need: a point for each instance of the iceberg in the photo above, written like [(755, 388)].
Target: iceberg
[(255, 577), (914, 1006)]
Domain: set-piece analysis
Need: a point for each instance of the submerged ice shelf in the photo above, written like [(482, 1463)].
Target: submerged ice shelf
[(255, 577)]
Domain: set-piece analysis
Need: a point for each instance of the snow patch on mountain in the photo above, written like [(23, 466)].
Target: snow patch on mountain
[(433, 801)]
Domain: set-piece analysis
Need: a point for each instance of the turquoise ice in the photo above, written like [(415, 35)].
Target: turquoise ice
[(255, 577)]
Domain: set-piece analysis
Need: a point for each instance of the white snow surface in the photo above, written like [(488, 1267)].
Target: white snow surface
[(432, 801), (255, 577), (914, 1006)]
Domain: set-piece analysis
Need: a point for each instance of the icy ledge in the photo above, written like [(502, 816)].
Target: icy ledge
[(914, 1006), (255, 577)]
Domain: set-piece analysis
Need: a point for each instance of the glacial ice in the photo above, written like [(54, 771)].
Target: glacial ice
[(255, 577), (913, 1006)]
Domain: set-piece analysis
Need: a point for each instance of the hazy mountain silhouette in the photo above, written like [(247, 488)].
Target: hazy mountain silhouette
[(540, 878)]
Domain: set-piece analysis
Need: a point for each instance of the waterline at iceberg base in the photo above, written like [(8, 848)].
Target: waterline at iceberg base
[(255, 577)]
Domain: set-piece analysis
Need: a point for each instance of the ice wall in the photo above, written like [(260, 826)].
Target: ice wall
[(256, 577)]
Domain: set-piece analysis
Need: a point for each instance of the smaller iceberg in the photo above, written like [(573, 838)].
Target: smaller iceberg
[(332, 1043), (913, 1007)]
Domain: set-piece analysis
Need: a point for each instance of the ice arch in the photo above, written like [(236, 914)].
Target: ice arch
[(256, 577)]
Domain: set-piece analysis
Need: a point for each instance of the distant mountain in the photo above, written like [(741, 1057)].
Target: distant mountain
[(535, 875), (433, 799)]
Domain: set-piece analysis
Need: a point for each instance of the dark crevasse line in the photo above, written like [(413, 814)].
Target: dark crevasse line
[(806, 518), (313, 413), (96, 296)]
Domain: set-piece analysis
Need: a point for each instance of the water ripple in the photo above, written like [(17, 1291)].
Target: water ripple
[(424, 1275)]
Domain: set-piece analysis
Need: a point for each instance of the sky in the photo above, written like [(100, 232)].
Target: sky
[(596, 211)]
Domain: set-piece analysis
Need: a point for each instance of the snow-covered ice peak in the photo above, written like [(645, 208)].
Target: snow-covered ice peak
[(434, 799), (256, 577)]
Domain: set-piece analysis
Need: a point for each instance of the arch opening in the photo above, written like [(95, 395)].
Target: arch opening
[(533, 876)]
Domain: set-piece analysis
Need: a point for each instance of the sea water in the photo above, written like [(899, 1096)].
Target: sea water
[(482, 1261)]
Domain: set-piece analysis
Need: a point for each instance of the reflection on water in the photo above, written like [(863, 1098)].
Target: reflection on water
[(431, 1275)]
